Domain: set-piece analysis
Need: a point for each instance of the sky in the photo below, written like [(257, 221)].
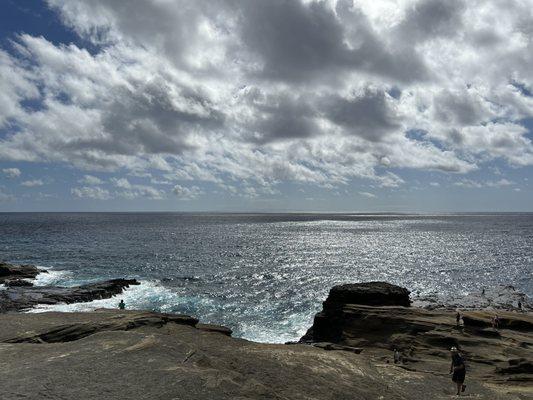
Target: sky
[(279, 105)]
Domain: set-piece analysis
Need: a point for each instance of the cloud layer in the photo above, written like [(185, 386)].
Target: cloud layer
[(266, 92)]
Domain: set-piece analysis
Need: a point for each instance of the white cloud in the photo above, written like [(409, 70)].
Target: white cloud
[(32, 183), (500, 183), (137, 191), (368, 194), (91, 180), (185, 193), (133, 191), (469, 183), (93, 192), (11, 172), (215, 92), (5, 197), (122, 183)]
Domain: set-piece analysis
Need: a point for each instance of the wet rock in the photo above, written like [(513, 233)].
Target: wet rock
[(14, 272), (20, 298), (18, 282), (502, 297)]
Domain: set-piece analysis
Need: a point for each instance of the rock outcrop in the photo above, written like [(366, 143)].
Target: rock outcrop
[(123, 322), (424, 337), (12, 272), (18, 282), (116, 354), (368, 293), (329, 324), (19, 298), (501, 297)]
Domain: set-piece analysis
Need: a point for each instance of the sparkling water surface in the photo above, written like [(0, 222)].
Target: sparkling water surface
[(265, 275)]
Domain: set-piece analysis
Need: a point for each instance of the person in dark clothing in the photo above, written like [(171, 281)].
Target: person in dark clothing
[(458, 369), (122, 305), (496, 322), (457, 318)]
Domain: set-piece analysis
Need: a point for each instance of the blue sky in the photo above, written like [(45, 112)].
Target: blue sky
[(401, 106)]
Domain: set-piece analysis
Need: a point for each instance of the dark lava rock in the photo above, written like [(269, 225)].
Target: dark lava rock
[(370, 294), (11, 271), (329, 324), (375, 317), (20, 298), (17, 282)]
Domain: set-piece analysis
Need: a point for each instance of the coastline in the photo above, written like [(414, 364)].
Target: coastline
[(155, 355)]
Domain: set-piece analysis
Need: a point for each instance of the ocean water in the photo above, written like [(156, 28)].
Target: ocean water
[(266, 275)]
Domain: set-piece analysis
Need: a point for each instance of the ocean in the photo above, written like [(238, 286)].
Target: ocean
[(266, 275)]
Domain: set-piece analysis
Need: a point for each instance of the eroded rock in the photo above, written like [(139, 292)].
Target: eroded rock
[(424, 336), (121, 322), (370, 294), (15, 272), (18, 282), (20, 298)]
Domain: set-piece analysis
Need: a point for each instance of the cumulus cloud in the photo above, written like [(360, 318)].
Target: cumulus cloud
[(91, 192), (91, 180), (133, 191), (11, 172), (469, 183), (265, 92), (33, 183), (186, 193)]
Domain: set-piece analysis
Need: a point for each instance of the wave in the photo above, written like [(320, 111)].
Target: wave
[(52, 277), (149, 295)]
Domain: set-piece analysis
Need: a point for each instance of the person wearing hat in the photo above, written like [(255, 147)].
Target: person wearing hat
[(458, 368)]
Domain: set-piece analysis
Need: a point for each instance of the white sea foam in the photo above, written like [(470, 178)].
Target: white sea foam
[(146, 296), (288, 330), (52, 277)]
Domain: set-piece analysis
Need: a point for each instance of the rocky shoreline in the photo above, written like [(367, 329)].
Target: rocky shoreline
[(20, 293), (346, 354)]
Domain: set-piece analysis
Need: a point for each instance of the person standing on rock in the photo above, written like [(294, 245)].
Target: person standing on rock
[(457, 318), (458, 369), (397, 356), (122, 305)]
